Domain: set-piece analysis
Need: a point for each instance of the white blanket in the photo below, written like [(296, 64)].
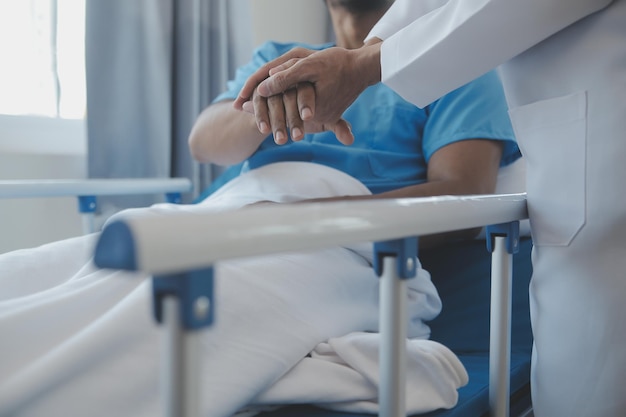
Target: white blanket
[(290, 328)]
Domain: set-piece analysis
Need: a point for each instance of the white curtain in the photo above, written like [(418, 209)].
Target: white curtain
[(151, 67)]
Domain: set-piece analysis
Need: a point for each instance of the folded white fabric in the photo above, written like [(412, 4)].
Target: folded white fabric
[(343, 374)]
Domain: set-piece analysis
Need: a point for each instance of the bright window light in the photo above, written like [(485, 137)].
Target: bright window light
[(43, 60)]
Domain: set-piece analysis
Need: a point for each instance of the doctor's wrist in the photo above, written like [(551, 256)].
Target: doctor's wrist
[(368, 60)]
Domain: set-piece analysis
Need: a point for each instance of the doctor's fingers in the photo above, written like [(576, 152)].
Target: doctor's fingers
[(343, 131), (311, 68), (284, 66), (263, 73)]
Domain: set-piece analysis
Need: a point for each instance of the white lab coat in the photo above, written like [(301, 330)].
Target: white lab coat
[(563, 66)]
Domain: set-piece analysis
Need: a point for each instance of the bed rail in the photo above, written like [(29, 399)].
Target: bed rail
[(87, 191), (197, 240), (111, 186), (182, 246)]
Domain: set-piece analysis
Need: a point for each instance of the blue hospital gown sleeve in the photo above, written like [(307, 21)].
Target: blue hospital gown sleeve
[(477, 110)]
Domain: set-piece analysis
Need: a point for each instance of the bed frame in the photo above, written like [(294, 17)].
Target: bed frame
[(183, 291)]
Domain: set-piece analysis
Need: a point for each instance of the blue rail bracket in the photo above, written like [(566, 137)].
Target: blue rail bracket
[(174, 198), (405, 252), (194, 291), (509, 230), (87, 204)]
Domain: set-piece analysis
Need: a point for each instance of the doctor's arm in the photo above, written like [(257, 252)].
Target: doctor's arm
[(479, 35), (422, 50)]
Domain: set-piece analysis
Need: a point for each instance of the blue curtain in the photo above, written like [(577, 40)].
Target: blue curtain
[(152, 66)]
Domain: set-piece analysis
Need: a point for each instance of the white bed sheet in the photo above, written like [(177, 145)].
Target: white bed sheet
[(290, 328)]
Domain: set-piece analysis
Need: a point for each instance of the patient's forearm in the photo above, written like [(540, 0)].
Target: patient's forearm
[(452, 189), (224, 136)]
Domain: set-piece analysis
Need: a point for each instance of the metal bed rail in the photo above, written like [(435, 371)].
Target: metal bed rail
[(87, 191)]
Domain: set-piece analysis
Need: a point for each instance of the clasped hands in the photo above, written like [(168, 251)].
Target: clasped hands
[(304, 91)]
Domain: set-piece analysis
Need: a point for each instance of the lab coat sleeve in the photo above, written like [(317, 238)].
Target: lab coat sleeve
[(441, 50), (400, 15)]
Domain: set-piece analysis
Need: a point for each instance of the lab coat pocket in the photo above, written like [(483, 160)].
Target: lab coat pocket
[(552, 136)]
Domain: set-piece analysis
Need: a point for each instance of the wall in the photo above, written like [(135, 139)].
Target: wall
[(39, 148), (289, 20)]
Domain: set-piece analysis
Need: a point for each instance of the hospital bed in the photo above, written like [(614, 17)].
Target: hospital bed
[(484, 321)]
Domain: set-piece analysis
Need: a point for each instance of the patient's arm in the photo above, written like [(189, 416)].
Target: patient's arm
[(464, 167), (223, 135)]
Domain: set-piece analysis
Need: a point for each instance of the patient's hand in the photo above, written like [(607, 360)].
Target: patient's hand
[(284, 114), (335, 87)]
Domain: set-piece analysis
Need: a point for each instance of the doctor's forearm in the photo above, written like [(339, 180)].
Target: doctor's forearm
[(402, 14), (463, 39)]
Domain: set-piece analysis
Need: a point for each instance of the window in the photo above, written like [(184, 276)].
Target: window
[(42, 76), (42, 45)]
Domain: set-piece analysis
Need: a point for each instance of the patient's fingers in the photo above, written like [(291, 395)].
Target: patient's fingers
[(306, 101), (248, 107), (277, 118), (261, 113), (292, 110), (292, 114)]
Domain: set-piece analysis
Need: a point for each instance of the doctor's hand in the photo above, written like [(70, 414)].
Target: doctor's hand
[(338, 76), (280, 115), (245, 95)]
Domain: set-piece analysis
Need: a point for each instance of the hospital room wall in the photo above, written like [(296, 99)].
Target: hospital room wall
[(289, 20), (32, 153), (40, 148)]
